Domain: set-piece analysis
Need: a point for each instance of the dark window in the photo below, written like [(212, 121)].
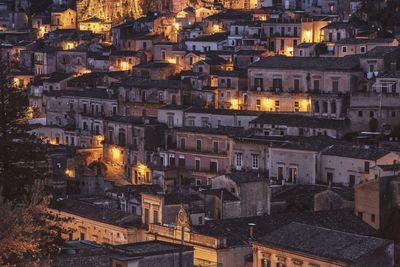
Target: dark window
[(352, 180), (258, 83), (155, 216), (146, 216), (335, 86), (198, 145), (182, 163), (183, 143), (329, 177), (372, 217), (213, 166), (296, 85), (360, 113), (316, 84), (366, 166), (215, 147), (277, 84), (265, 263)]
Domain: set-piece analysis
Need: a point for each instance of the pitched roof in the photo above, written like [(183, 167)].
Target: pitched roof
[(236, 230), (216, 37), (148, 248), (323, 243), (97, 212), (222, 130), (246, 177), (298, 120), (166, 84), (304, 194), (348, 63), (357, 152)]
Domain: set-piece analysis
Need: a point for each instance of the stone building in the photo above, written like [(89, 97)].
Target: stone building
[(229, 242), (108, 11), (301, 244), (98, 223), (350, 165), (63, 18), (377, 201), (251, 188)]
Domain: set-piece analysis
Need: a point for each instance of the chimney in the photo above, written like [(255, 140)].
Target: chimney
[(251, 230)]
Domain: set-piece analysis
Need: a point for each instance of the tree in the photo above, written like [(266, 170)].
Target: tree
[(25, 234), (23, 156), (27, 238)]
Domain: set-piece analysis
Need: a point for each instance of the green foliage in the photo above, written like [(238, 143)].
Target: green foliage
[(23, 156)]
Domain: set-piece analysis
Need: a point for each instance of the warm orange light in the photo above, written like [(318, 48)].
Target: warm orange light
[(116, 155), (69, 45), (125, 66), (70, 172), (216, 28), (84, 71), (234, 103), (307, 36)]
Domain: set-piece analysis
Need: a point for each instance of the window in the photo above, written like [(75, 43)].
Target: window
[(371, 68), (277, 105), (183, 143), (215, 146), (182, 163), (292, 175), (254, 161), (360, 113), (316, 85), (146, 216), (265, 263), (280, 264), (259, 83), (335, 86), (280, 172), (329, 177), (372, 217), (198, 145), (363, 49), (277, 84), (360, 214), (352, 180), (366, 166), (371, 114), (296, 84), (296, 106), (197, 162), (344, 49), (155, 216), (393, 113), (239, 160), (170, 121), (82, 236), (213, 166)]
